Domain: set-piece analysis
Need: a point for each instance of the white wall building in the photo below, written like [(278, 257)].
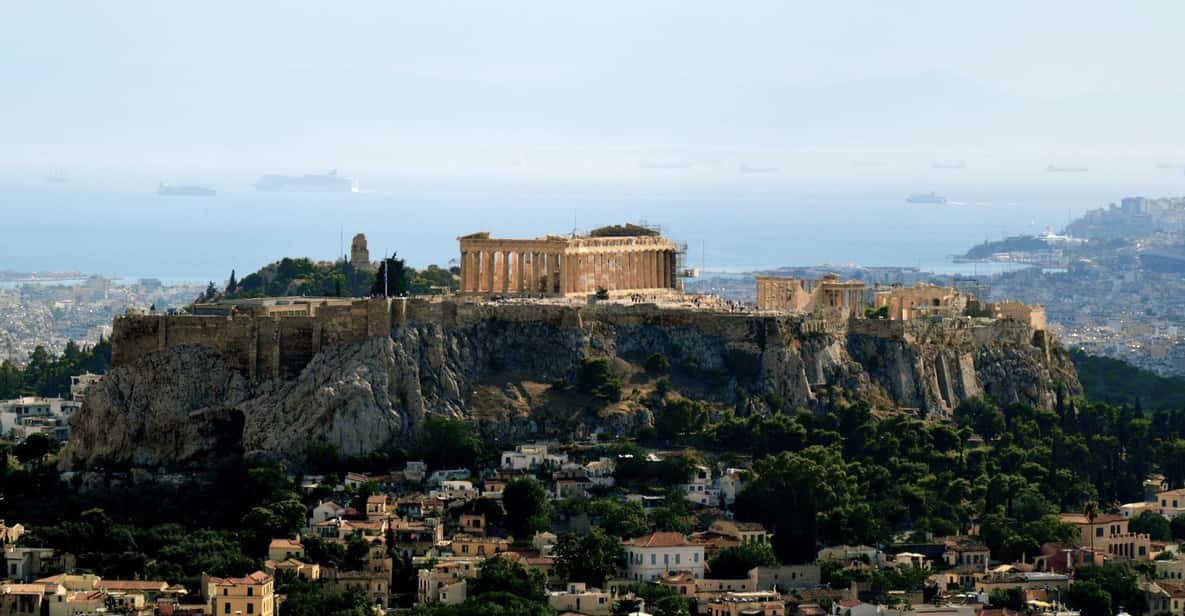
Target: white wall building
[(662, 554), (24, 416), (448, 474), (699, 488)]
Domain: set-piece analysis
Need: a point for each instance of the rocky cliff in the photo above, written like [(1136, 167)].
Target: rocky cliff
[(495, 365)]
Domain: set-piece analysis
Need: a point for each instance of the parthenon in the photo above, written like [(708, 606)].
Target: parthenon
[(626, 258)]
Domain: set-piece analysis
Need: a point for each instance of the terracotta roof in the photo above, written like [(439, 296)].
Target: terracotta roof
[(287, 544), (660, 540), (291, 563), (25, 589), (1103, 518), (133, 585), (250, 579), (1173, 590), (376, 499)]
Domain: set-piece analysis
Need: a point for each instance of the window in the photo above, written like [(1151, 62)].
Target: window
[(226, 608), (678, 558), (695, 557), (250, 608), (1098, 532), (654, 559), (250, 591)]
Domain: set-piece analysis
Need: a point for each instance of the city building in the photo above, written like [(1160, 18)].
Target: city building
[(577, 597), (759, 603), (1108, 534), (34, 414), (252, 594), (661, 554), (283, 549)]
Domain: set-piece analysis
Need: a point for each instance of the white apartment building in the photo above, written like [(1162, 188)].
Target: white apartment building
[(662, 554)]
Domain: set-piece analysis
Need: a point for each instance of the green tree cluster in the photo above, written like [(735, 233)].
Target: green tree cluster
[(591, 557), (449, 443), (528, 509), (595, 376), (501, 589), (47, 375), (735, 562), (842, 475)]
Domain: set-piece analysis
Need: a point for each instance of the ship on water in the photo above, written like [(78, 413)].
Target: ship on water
[(930, 197), (329, 182), (168, 190), (745, 168)]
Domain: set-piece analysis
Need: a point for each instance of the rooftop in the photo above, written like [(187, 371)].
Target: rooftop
[(251, 579), (660, 540), (127, 585), (1102, 518)]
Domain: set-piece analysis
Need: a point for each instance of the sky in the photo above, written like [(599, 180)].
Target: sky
[(547, 90)]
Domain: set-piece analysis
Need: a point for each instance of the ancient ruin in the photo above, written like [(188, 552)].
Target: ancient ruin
[(360, 254), (621, 259), (833, 298), (795, 295)]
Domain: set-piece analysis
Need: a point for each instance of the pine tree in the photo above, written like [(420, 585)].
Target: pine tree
[(232, 284), (391, 280)]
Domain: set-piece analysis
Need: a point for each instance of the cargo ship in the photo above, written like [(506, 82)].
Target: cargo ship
[(329, 182), (168, 190), (927, 198)]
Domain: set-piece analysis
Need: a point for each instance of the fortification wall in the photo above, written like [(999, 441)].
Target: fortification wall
[(280, 347), (261, 347)]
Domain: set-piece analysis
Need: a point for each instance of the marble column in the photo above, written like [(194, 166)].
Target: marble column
[(563, 269), (474, 270), (469, 264), (466, 271), (648, 263), (487, 270), (634, 270), (548, 272), (521, 273), (532, 272), (506, 271)]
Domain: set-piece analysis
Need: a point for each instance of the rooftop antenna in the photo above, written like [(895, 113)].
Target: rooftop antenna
[(386, 293)]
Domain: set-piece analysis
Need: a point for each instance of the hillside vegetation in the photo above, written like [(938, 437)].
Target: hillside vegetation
[(1118, 382), (304, 277)]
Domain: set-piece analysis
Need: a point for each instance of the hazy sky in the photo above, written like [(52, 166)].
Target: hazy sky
[(486, 87)]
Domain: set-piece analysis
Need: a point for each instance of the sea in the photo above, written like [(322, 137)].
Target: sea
[(123, 229)]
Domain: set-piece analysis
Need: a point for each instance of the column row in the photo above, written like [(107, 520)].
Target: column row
[(589, 272), (510, 271)]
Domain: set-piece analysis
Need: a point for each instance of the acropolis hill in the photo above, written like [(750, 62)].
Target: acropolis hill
[(268, 377)]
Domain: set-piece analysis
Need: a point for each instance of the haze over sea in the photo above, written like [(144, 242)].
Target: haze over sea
[(731, 221)]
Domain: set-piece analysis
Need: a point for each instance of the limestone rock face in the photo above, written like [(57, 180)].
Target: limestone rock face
[(171, 407), (494, 366), (348, 395)]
